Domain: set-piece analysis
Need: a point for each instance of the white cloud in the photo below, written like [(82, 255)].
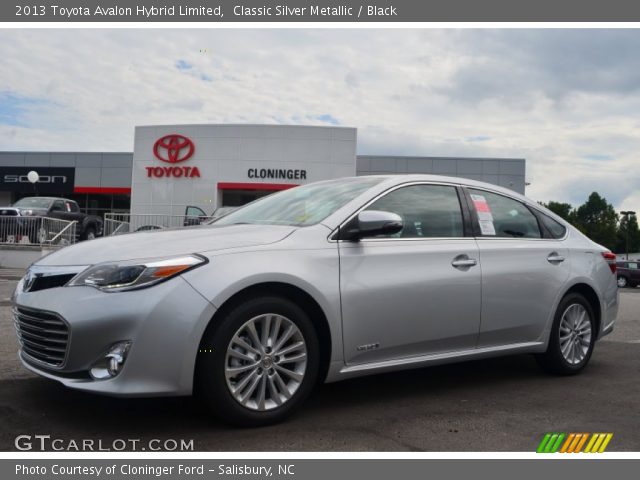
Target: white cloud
[(566, 100)]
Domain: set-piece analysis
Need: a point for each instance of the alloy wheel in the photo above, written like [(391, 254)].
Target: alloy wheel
[(575, 333), (622, 282), (265, 362)]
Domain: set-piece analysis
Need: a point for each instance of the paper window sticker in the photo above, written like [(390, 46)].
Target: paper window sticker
[(487, 228), (480, 203), (485, 216)]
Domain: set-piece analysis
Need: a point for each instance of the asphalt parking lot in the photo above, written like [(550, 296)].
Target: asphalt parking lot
[(503, 404)]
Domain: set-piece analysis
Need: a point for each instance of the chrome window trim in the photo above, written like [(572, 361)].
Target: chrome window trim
[(389, 190)]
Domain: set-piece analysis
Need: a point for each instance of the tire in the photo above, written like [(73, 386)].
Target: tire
[(89, 233), (572, 306), (633, 284), (224, 396), (622, 281)]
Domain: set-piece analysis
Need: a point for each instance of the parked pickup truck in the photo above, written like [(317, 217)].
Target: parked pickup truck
[(87, 228)]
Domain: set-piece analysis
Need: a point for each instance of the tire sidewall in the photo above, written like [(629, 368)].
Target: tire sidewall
[(211, 379), (554, 342), (89, 231)]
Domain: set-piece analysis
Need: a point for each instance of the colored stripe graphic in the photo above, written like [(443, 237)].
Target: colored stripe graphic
[(581, 443), (574, 442), (570, 439), (550, 443), (543, 443), (598, 442), (557, 443)]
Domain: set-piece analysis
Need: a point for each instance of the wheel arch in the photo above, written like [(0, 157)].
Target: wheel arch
[(291, 292), (589, 293)]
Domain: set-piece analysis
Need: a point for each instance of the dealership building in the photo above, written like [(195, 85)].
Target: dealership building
[(173, 167)]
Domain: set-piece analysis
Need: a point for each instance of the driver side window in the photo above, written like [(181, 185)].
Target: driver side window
[(427, 211)]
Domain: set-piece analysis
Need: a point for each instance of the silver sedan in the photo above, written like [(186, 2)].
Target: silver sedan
[(318, 283)]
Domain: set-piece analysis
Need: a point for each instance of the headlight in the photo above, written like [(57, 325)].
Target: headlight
[(121, 276)]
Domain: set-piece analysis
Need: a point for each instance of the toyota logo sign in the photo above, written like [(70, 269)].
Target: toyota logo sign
[(173, 148)]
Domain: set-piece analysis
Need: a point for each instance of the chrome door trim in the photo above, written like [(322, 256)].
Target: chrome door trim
[(426, 359)]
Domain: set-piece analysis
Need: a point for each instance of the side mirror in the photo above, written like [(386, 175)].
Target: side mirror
[(371, 223)]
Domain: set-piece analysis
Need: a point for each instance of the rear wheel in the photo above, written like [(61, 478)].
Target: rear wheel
[(622, 281), (260, 363), (572, 337)]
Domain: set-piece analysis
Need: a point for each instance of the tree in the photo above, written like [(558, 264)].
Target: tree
[(564, 210), (598, 220), (634, 235)]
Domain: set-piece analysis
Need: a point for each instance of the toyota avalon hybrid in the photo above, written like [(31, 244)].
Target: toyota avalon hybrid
[(319, 283)]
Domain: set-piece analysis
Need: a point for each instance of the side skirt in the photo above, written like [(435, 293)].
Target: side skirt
[(339, 371)]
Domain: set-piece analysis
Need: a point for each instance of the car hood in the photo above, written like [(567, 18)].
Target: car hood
[(166, 243), (27, 211)]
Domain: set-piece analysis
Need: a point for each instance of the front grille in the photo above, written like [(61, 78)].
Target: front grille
[(50, 281), (44, 336)]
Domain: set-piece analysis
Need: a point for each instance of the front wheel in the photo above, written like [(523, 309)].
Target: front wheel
[(572, 337), (622, 281), (259, 364), (89, 233)]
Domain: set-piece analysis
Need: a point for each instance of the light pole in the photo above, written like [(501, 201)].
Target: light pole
[(627, 214)]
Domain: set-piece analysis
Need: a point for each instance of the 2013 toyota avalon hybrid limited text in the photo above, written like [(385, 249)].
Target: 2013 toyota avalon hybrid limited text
[(321, 282)]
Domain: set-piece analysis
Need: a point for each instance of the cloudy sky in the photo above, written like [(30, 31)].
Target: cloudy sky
[(566, 100)]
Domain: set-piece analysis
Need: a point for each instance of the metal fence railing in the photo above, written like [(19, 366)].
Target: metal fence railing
[(44, 231), (119, 223)]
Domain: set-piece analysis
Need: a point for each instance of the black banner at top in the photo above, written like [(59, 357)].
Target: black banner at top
[(216, 11)]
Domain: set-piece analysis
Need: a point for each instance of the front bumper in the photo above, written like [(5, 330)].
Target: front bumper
[(164, 324)]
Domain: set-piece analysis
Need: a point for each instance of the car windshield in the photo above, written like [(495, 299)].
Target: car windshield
[(300, 206), (33, 202)]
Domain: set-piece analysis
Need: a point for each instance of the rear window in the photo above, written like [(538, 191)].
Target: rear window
[(500, 216)]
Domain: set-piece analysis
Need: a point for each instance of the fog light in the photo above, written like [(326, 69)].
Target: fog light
[(111, 364)]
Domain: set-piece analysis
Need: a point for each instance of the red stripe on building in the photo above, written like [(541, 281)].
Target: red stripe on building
[(103, 190), (255, 186)]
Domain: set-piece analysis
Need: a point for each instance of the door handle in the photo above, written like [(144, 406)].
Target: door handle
[(463, 261), (554, 257)]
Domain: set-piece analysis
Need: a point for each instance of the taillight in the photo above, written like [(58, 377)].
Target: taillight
[(610, 258)]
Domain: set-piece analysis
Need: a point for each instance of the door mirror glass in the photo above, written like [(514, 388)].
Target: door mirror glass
[(371, 223)]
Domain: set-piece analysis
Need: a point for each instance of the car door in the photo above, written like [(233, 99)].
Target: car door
[(194, 216), (634, 273), (523, 268), (58, 210), (415, 292)]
